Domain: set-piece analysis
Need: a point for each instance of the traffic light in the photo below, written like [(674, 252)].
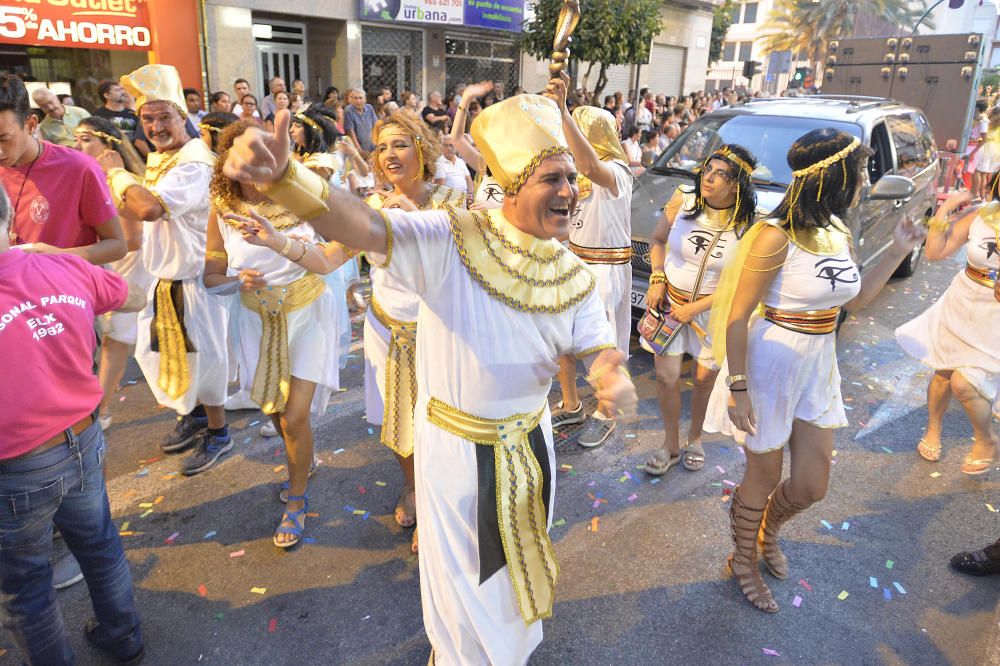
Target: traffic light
[(800, 77), (751, 68)]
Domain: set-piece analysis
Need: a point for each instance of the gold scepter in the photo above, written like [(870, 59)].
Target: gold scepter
[(569, 17)]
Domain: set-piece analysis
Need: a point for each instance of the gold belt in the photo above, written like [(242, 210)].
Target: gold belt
[(980, 276), (175, 376), (602, 255), (521, 517), (400, 382), (273, 375), (810, 322), (678, 296)]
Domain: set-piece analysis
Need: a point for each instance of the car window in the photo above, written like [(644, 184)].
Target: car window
[(912, 153), (880, 162), (768, 138), (925, 136)]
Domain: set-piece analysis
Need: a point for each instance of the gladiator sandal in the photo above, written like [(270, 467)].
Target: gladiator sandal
[(744, 523), (778, 512)]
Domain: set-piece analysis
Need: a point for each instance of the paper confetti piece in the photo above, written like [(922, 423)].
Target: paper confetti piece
[(990, 507), (125, 525), (172, 475), (771, 653), (633, 497), (729, 483), (359, 512), (887, 449), (126, 533), (308, 540), (272, 625), (886, 594), (935, 475), (797, 601), (146, 513), (655, 480), (889, 564), (258, 590), (559, 523), (209, 535), (721, 471), (202, 590), (219, 616), (834, 453), (278, 469), (380, 484), (238, 553), (873, 582), (593, 523), (145, 505), (844, 526), (253, 423), (338, 451), (158, 499), (804, 584), (843, 595), (631, 435), (623, 479), (371, 431), (826, 525), (564, 466), (172, 537), (899, 588), (121, 399)]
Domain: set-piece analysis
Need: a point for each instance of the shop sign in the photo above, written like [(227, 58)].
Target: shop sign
[(121, 25), (444, 12), (496, 14)]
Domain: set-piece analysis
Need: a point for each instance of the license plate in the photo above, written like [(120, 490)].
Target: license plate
[(638, 296)]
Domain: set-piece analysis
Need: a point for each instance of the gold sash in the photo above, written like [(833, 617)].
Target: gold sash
[(400, 382), (602, 255), (175, 376), (531, 559), (810, 322), (273, 376)]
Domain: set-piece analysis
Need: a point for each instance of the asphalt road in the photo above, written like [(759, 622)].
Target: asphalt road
[(646, 587)]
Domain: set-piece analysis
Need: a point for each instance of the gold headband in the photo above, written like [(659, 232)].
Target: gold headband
[(832, 159), (210, 128), (303, 118), (103, 135), (725, 153)]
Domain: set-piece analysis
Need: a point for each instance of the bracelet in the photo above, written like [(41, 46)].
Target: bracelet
[(732, 379), (938, 225), (216, 254), (742, 390), (300, 190), (305, 248), (286, 247), (657, 279)]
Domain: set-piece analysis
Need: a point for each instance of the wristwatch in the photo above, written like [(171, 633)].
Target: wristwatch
[(732, 379)]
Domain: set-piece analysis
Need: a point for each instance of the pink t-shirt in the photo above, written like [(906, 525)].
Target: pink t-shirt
[(64, 197), (47, 307)]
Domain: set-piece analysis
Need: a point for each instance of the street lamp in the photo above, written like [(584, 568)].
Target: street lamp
[(952, 4)]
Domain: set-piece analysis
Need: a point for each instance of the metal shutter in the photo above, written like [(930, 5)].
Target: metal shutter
[(666, 70), (619, 80)]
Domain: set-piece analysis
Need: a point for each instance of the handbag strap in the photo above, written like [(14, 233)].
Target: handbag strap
[(704, 264)]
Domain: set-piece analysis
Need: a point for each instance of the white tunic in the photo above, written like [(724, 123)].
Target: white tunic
[(790, 375), (313, 336), (603, 220), (489, 194), (122, 326), (173, 248), (492, 361), (689, 239), (959, 332)]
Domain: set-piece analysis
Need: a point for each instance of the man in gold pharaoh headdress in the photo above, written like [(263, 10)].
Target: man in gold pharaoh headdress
[(601, 235), (501, 301), (181, 346)]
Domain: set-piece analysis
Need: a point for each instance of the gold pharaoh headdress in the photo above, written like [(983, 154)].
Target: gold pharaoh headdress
[(515, 135), (155, 83), (601, 131)]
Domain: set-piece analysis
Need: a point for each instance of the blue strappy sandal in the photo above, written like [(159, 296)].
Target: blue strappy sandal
[(283, 492), (297, 518)]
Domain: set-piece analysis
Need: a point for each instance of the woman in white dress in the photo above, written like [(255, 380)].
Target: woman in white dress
[(95, 136), (287, 324), (488, 192), (782, 370), (700, 227), (957, 335), (404, 157)]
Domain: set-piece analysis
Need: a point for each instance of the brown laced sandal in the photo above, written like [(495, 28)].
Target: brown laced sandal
[(778, 512), (744, 523)]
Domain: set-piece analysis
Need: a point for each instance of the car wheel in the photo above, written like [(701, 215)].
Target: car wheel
[(909, 265)]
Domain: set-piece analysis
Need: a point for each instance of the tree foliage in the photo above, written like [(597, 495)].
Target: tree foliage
[(611, 32), (722, 18), (806, 26)]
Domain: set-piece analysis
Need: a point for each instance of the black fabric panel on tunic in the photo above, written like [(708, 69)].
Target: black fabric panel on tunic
[(177, 296), (491, 556)]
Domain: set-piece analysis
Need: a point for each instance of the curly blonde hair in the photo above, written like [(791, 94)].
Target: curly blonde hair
[(429, 144), (222, 186)]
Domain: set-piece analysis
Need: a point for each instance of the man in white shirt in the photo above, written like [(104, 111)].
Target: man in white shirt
[(450, 169), (241, 87)]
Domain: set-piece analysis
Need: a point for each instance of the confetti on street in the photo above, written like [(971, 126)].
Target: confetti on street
[(258, 590), (843, 595)]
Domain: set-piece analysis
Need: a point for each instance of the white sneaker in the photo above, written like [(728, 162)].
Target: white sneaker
[(105, 422), (240, 400), (268, 429)]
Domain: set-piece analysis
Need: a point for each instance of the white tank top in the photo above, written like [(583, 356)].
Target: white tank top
[(689, 239), (981, 249), (489, 194), (602, 220), (808, 281), (277, 269)]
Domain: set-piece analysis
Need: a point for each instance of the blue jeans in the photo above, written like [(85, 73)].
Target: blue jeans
[(65, 485)]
